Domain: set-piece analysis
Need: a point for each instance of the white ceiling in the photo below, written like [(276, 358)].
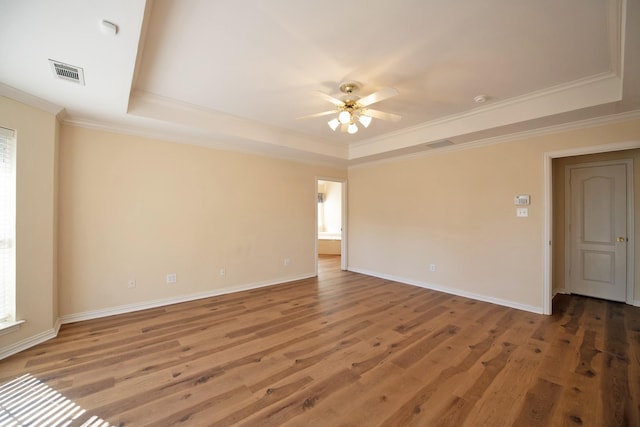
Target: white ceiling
[(237, 74)]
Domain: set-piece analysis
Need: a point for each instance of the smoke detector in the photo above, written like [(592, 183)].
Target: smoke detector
[(481, 99), (67, 72)]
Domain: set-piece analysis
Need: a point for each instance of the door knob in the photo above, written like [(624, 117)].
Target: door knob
[(621, 239)]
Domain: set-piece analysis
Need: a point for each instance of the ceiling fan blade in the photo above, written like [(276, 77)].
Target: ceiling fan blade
[(378, 96), (381, 115), (324, 113), (331, 99)]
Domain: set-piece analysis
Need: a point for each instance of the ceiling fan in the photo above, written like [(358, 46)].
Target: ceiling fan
[(353, 109)]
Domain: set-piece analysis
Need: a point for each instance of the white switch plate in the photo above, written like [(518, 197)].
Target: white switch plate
[(287, 261), (432, 267), (131, 283), (522, 212), (172, 278), (223, 271)]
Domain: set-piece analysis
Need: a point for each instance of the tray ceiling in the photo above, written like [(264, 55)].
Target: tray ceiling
[(238, 74)]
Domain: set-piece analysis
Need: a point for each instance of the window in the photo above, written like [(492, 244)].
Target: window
[(7, 226), (320, 211)]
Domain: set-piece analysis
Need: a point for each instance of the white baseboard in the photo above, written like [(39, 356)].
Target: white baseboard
[(636, 303), (29, 342), (94, 314), (56, 326), (452, 291), (128, 308)]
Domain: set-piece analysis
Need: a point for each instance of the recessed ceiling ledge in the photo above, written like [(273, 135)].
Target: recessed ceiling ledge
[(596, 90), (148, 105)]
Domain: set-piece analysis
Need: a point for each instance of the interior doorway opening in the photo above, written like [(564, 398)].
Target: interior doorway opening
[(331, 222), (558, 221)]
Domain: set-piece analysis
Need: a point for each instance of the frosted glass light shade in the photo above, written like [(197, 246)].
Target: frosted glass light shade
[(333, 124), (353, 128), (344, 117), (365, 120)]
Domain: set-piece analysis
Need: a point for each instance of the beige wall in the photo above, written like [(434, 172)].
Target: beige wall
[(35, 220), (96, 209), (559, 168), (135, 208), (455, 209)]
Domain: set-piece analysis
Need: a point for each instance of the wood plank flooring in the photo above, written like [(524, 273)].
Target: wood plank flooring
[(346, 349)]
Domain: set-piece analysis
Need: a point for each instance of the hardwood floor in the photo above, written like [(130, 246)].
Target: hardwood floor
[(344, 349)]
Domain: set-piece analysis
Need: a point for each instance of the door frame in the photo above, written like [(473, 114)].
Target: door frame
[(343, 207), (628, 163), (547, 290)]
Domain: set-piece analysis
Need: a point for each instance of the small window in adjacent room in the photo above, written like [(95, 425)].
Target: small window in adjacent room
[(320, 211), (7, 227)]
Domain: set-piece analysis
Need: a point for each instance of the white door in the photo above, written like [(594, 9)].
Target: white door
[(598, 231)]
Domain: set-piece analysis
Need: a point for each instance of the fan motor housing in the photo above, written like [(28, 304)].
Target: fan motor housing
[(349, 87)]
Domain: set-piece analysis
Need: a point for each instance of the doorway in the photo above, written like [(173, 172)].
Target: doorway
[(331, 222), (558, 256), (596, 229)]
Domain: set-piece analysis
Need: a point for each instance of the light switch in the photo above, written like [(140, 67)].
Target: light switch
[(522, 212)]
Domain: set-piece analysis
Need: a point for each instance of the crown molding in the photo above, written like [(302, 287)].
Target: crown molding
[(221, 125), (564, 127), (218, 143), (30, 100), (587, 92)]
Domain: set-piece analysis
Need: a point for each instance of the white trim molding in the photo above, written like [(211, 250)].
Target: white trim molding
[(512, 137), (27, 343), (579, 94), (129, 308), (452, 291), (8, 327), (30, 100)]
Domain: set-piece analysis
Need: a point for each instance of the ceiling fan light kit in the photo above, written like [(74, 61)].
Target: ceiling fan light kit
[(365, 120), (344, 117), (352, 109)]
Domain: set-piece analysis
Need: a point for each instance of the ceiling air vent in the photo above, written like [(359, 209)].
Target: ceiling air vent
[(67, 72), (439, 144)]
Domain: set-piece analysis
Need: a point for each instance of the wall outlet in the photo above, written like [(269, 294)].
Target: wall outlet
[(172, 278), (131, 283), (287, 261), (432, 267), (223, 271)]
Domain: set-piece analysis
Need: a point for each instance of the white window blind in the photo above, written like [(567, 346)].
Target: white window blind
[(7, 225)]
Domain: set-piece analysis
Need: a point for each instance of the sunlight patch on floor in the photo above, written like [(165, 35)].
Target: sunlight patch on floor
[(27, 401)]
